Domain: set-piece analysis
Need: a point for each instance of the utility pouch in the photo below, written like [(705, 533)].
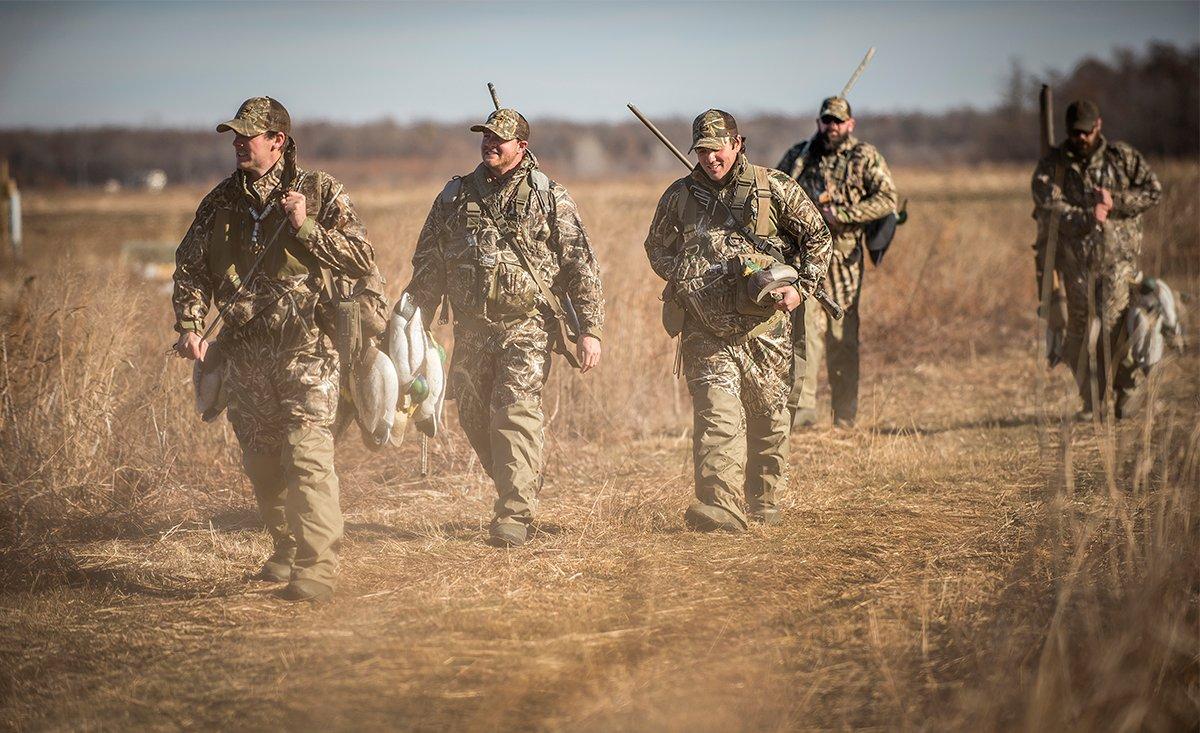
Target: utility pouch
[(673, 314), (373, 309), (512, 292), (743, 302), (347, 330)]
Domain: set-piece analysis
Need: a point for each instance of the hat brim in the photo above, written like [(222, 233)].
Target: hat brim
[(493, 130), (710, 143), (241, 127), (1082, 126), (835, 115)]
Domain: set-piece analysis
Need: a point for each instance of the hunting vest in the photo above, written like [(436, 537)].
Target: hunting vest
[(717, 259), (237, 229), (487, 283)]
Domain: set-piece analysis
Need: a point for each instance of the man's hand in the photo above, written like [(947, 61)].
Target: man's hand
[(191, 346), (294, 207), (1104, 204), (787, 298), (588, 351)]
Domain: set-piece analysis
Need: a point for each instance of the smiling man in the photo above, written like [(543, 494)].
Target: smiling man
[(736, 355), (281, 371), (504, 247)]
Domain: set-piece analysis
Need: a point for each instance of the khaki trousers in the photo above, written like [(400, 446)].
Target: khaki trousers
[(297, 492), (836, 344)]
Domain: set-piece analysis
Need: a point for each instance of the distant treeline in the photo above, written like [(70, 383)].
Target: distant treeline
[(1150, 99)]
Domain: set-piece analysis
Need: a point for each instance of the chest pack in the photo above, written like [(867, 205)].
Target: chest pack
[(232, 246), (751, 185), (501, 284), (753, 211)]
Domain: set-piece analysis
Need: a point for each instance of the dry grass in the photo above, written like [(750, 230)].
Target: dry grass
[(966, 559)]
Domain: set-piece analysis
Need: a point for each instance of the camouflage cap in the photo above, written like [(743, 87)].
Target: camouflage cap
[(258, 115), (507, 124), (836, 107), (1082, 115), (713, 130)]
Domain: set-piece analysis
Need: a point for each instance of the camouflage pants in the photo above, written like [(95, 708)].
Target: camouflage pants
[(283, 386), (497, 380), (1097, 298), (834, 342), (739, 400)]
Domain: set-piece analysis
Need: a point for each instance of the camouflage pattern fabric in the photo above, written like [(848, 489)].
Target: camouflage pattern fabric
[(502, 342), (491, 376), (713, 130), (757, 371), (278, 379), (854, 180), (506, 124), (282, 372), (333, 237), (1098, 262), (448, 258), (258, 115), (837, 107), (737, 373), (695, 257)]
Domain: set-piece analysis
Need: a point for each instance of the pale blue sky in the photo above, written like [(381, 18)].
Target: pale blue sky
[(66, 64)]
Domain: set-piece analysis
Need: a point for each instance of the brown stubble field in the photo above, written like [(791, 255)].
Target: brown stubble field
[(966, 558)]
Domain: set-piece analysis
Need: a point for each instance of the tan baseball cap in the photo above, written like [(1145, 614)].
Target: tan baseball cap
[(258, 115), (507, 124), (713, 130), (836, 107)]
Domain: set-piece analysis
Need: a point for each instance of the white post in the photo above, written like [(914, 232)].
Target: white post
[(14, 219)]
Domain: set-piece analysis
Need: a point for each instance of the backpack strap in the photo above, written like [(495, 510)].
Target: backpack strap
[(524, 193), (474, 215), (743, 189), (450, 193), (762, 192), (534, 184)]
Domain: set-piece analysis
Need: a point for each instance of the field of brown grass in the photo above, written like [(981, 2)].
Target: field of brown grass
[(967, 558)]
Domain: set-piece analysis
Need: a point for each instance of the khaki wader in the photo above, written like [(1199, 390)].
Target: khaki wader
[(834, 343), (297, 493)]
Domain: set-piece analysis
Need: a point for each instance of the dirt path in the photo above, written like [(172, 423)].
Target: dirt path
[(897, 542)]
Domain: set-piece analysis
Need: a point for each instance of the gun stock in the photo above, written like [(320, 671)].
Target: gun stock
[(1046, 118)]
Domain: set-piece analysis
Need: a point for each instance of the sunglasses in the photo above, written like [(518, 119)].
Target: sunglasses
[(831, 120)]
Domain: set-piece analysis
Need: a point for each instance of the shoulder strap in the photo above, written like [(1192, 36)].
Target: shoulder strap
[(450, 192), (536, 183), (742, 190), (474, 215), (524, 192), (762, 192), (555, 305)]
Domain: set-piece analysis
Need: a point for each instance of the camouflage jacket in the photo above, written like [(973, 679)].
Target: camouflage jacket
[(699, 257), (221, 246), (465, 250), (856, 180), (1114, 166)]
